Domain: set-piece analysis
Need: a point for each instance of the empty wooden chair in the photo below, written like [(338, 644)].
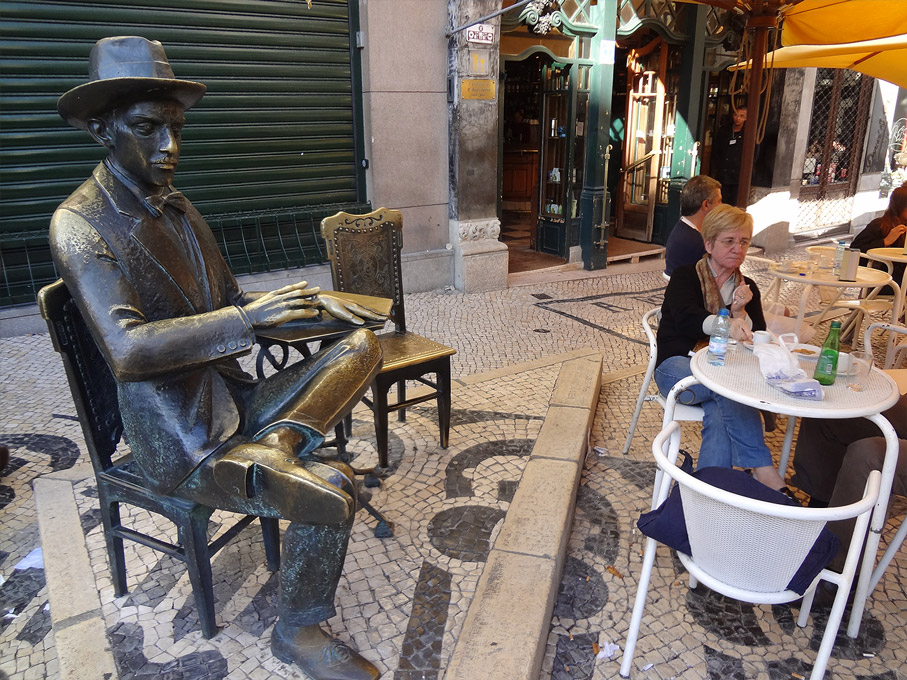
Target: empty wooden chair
[(364, 252)]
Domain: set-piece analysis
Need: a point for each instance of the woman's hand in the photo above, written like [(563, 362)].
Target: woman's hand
[(742, 297), (894, 234), (740, 330)]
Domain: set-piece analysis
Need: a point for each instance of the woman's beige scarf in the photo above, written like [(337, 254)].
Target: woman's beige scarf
[(711, 294)]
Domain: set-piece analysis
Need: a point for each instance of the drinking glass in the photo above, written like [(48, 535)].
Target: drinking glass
[(859, 373)]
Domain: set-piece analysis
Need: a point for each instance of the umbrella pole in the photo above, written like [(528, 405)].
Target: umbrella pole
[(761, 24)]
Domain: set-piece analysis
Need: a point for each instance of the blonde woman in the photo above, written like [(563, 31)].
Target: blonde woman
[(732, 434)]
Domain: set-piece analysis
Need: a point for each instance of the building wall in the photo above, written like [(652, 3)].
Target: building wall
[(404, 74)]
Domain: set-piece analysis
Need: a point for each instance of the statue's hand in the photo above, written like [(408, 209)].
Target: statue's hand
[(296, 301), (348, 311)]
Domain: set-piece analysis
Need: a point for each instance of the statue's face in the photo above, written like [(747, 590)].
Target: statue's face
[(144, 140)]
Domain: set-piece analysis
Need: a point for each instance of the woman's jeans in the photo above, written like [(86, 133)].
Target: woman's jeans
[(732, 433)]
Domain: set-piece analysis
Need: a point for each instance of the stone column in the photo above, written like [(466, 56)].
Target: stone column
[(480, 259)]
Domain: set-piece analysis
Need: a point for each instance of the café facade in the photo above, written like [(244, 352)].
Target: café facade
[(569, 123)]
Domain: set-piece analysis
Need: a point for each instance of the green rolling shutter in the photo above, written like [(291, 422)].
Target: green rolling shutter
[(273, 146)]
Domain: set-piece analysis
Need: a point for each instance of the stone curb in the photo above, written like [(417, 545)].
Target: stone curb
[(524, 566), (79, 631), (506, 627)]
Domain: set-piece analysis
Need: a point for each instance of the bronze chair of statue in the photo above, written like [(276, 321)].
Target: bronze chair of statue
[(364, 252), (118, 478)]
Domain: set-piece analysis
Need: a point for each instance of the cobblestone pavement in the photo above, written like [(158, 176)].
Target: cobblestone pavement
[(403, 600)]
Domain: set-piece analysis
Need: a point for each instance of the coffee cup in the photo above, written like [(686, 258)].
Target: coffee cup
[(761, 337), (845, 362)]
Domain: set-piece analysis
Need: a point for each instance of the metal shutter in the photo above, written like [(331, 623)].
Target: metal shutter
[(273, 146)]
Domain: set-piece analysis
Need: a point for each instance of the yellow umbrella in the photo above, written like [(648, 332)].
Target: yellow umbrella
[(817, 22), (824, 22), (885, 58)]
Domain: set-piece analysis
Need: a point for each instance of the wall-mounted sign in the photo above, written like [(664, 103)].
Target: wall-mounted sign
[(480, 33), (478, 61), (477, 89)]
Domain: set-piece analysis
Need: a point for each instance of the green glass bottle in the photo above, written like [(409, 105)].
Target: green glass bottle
[(827, 364)]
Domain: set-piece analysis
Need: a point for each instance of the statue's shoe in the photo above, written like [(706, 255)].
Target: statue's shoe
[(323, 658)]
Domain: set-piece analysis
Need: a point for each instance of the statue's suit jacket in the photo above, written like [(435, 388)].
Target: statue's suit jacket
[(170, 337)]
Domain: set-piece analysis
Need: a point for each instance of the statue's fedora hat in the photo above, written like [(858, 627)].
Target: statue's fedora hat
[(121, 70)]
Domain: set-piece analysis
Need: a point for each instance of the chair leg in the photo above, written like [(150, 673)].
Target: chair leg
[(194, 539), (384, 528), (270, 533), (380, 412), (893, 547), (831, 632), (444, 403), (340, 438), (643, 393), (110, 518), (640, 603), (401, 397)]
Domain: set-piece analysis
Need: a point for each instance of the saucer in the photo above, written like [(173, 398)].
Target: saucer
[(748, 344), (805, 352)]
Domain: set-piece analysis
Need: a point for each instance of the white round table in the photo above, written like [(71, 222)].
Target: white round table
[(867, 277)]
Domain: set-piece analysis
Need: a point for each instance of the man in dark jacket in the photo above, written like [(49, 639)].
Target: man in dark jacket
[(145, 272), (685, 246), (727, 148)]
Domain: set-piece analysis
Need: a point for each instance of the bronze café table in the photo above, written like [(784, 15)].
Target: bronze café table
[(741, 380)]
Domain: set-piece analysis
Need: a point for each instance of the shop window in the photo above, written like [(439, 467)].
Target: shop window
[(840, 109)]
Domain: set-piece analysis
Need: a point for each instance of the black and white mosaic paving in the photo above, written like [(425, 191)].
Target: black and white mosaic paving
[(403, 600)]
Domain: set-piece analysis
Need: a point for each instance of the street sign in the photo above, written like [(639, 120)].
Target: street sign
[(480, 33)]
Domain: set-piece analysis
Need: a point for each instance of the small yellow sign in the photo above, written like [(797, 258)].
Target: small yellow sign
[(477, 89)]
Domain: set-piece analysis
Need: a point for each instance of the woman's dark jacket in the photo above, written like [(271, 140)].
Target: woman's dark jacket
[(683, 312), (871, 237)]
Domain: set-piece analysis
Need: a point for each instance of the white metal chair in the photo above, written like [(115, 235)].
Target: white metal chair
[(868, 302), (895, 351), (899, 375), (681, 411), (749, 549)]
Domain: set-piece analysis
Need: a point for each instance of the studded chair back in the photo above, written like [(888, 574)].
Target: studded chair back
[(364, 252)]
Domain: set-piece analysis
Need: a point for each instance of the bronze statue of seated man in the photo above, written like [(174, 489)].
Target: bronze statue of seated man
[(145, 271)]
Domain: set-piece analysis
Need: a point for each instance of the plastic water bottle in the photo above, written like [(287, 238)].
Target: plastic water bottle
[(827, 363), (721, 332), (840, 246)]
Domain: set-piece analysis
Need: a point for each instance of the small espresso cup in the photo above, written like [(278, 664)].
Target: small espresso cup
[(761, 337), (845, 362)]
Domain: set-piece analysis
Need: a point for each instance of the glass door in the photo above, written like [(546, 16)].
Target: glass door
[(555, 167), (649, 140)]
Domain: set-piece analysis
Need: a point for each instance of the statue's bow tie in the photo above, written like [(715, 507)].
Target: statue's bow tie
[(174, 199)]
